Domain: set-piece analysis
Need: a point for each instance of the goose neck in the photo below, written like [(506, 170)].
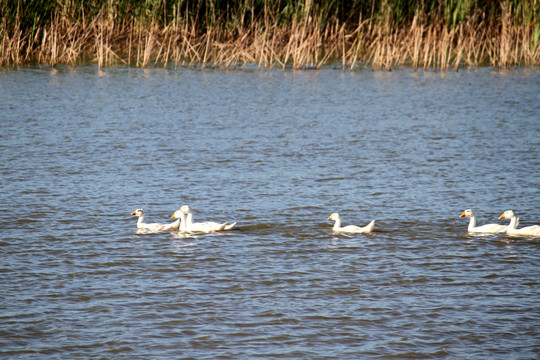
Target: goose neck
[(189, 219), (183, 222), (141, 219), (472, 222), (513, 223)]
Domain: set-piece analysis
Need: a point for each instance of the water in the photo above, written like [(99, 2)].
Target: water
[(278, 152)]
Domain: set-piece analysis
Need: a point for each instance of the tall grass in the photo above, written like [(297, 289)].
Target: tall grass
[(301, 34)]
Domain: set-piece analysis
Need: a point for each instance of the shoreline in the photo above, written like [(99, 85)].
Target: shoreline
[(251, 67)]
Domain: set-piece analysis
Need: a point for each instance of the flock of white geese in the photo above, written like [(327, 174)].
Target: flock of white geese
[(510, 229), (184, 223)]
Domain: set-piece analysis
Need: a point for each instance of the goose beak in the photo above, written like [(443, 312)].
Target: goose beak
[(133, 213), (173, 216), (330, 217), (502, 217), (462, 214)]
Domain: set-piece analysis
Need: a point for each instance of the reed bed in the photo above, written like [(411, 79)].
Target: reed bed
[(302, 35)]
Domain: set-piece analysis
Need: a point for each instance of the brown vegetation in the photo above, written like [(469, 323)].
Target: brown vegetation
[(309, 39)]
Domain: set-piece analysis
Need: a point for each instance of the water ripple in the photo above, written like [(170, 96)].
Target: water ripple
[(278, 152)]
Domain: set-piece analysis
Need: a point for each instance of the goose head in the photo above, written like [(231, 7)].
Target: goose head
[(334, 216), (508, 214), (185, 209), (467, 213), (177, 214), (138, 212)]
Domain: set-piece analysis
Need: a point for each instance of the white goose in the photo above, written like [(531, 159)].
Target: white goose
[(353, 229), (533, 230), (206, 227), (488, 228), (156, 227)]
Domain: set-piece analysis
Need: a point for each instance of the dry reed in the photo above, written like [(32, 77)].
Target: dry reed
[(311, 38)]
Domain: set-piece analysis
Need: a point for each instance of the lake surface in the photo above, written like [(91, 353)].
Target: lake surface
[(278, 152)]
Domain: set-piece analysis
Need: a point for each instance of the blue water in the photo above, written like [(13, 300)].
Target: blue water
[(277, 152)]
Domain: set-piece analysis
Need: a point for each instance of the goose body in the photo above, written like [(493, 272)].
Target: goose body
[(155, 227), (352, 229), (215, 225), (533, 230), (488, 228)]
